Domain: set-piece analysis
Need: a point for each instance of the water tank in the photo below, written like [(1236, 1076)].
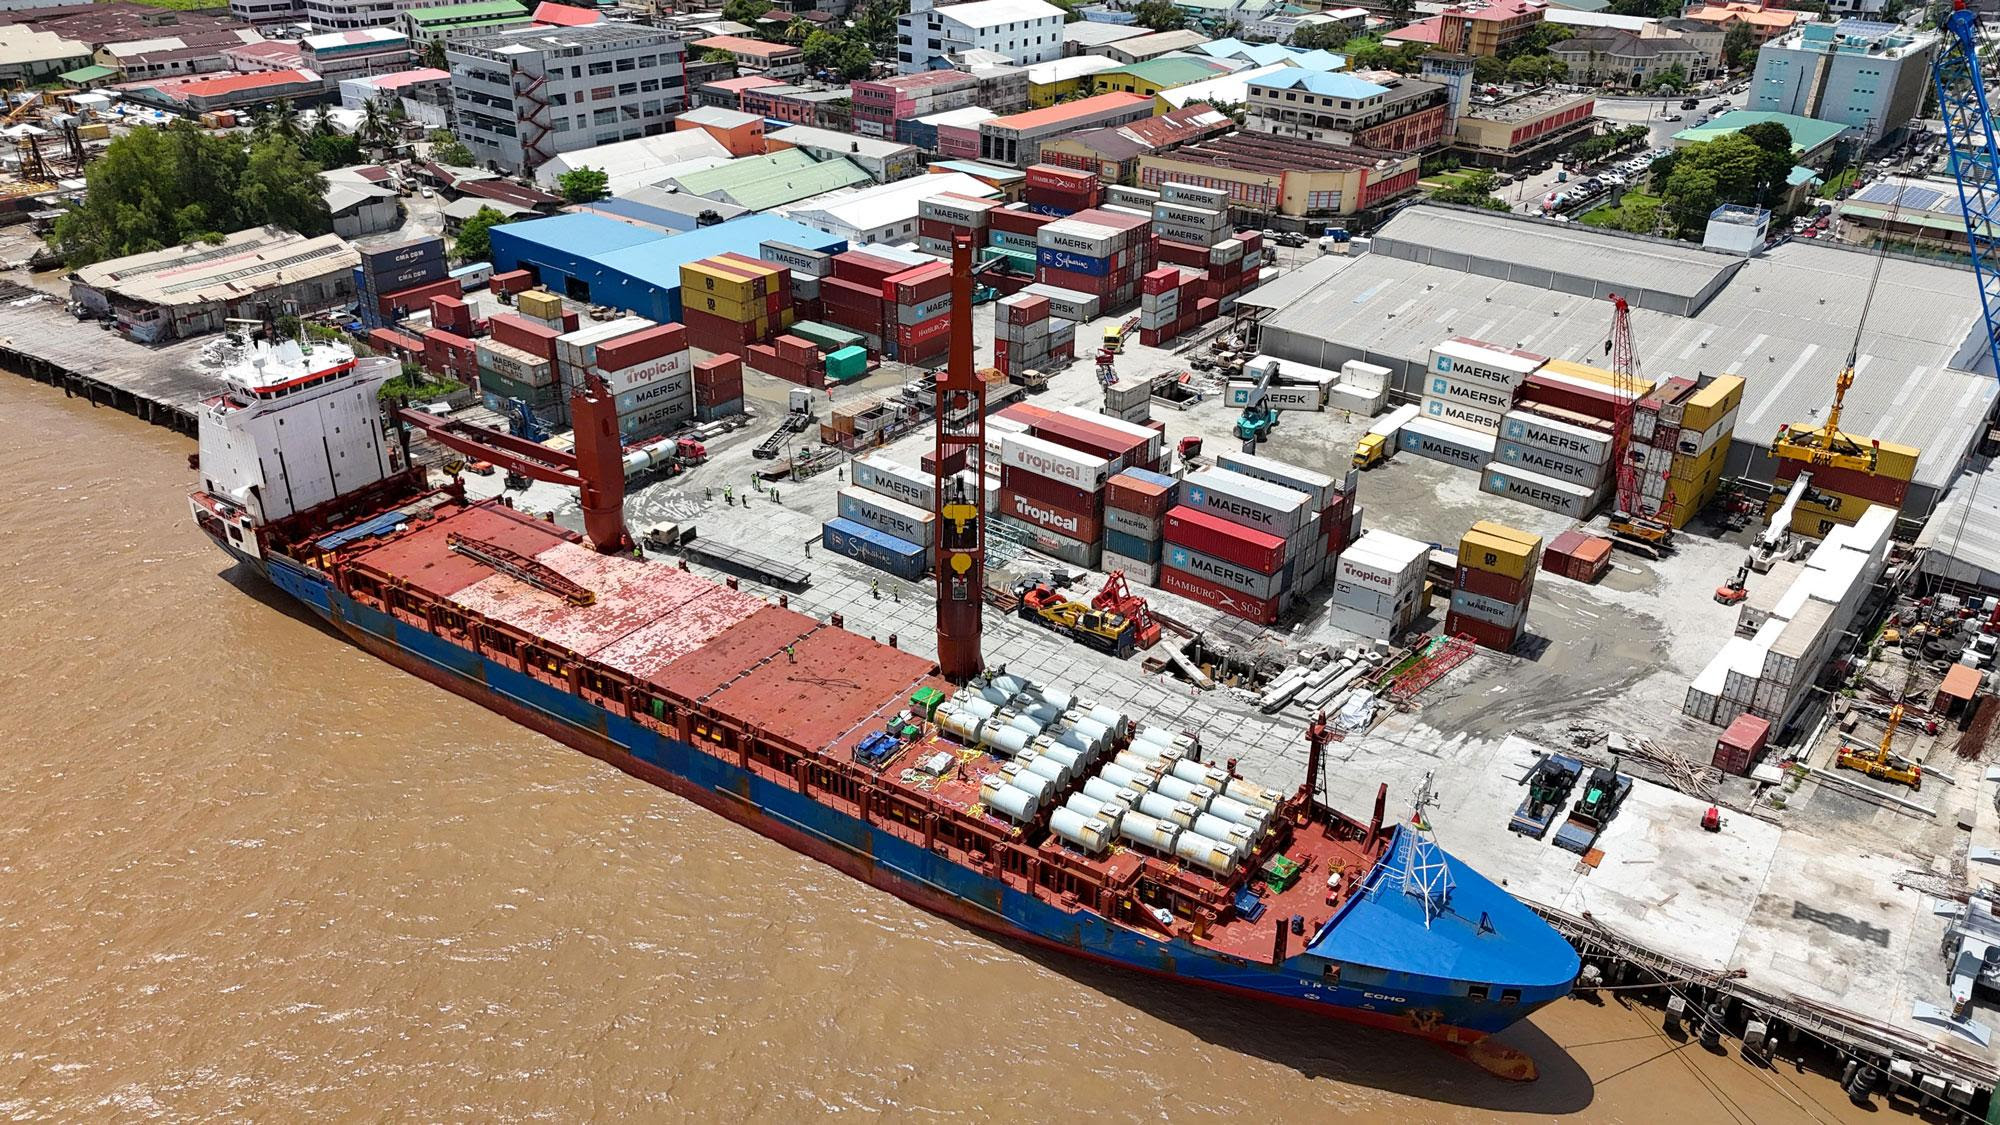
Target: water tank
[(1068, 756), (1061, 700), (1106, 811), (1138, 763), (1204, 852), (1042, 711), (1010, 684), (1253, 817), (1123, 778), (1147, 750), (1214, 777), (961, 724), (1027, 725), (1148, 832), (1106, 790), (1098, 734), (1110, 718), (1216, 828), (1162, 807), (1251, 793), (1053, 770), (1005, 741), (1078, 741), (1197, 795), (1088, 833), (984, 709), (1161, 736), (1041, 788), (1015, 804)]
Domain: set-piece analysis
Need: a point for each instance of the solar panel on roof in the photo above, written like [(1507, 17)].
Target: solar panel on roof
[(1877, 193), (1923, 198)]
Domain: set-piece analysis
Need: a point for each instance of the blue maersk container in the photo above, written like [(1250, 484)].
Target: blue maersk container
[(1131, 546), (899, 557)]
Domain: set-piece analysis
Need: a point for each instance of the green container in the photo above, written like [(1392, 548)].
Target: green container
[(1016, 261), (830, 338), (850, 362)]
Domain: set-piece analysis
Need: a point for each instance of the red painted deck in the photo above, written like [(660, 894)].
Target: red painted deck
[(420, 559)]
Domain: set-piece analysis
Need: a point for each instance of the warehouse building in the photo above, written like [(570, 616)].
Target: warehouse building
[(188, 290), (606, 262), (1283, 176), (1781, 320), (1017, 138), (1113, 153), (882, 160), (884, 212)]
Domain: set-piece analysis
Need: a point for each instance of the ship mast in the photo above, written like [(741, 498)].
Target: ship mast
[(960, 543)]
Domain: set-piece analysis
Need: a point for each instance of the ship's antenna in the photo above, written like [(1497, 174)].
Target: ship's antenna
[(1426, 874)]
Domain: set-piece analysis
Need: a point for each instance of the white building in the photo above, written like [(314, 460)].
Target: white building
[(261, 13), (882, 160), (522, 96), (1871, 76), (630, 165), (362, 202), (884, 213), (1025, 31), (349, 15)]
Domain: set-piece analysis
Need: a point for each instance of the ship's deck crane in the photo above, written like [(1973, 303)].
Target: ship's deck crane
[(1632, 525)]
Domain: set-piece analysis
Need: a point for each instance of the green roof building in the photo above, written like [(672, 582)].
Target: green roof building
[(452, 21), (763, 182), (88, 77), (1812, 139), (1154, 75)]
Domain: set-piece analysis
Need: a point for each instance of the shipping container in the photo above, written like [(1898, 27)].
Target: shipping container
[(1536, 459), (1483, 633), (1362, 623), (1056, 546), (798, 259), (1142, 493), (1481, 395), (1134, 524), (1384, 560), (1461, 414), (1137, 571), (517, 364), (1547, 493), (1369, 599), (666, 388), (1245, 500), (1323, 489), (1262, 611), (1132, 546), (656, 419), (1443, 441), (1490, 547), (1474, 361), (1219, 538), (1579, 444), (906, 560), (1056, 462), (885, 514), (1084, 526), (1493, 611)]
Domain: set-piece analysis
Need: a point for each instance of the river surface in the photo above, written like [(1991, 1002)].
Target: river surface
[(249, 871)]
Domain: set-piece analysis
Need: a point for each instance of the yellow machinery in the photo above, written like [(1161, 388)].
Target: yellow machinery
[(1881, 761), (1107, 632), (21, 110), (1371, 450)]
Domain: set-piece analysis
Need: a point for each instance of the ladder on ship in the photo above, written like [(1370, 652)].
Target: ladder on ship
[(520, 567)]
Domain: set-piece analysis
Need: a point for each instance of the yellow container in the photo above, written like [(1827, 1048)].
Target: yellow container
[(94, 131), (1598, 375), (1813, 516), (727, 282), (1712, 403), (741, 312), (540, 304), (1499, 550)]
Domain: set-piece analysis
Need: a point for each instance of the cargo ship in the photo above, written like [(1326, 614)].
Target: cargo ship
[(1018, 808)]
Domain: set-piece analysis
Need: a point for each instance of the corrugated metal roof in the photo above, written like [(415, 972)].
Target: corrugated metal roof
[(762, 182), (1783, 322)]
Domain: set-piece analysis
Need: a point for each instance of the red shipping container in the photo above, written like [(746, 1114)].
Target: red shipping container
[(1069, 279), (640, 347), (1128, 493), (1484, 633), (451, 314), (796, 350), (1597, 403), (1065, 496), (864, 269), (1123, 450), (1487, 584), (922, 333), (1049, 175), (1087, 527), (1018, 222), (1737, 750), (850, 294), (1027, 414), (1182, 254), (417, 298), (389, 340), (513, 281), (1034, 310), (727, 388), (915, 286), (955, 463), (1206, 308), (1163, 280), (1263, 611), (1152, 338), (570, 320), (1232, 543), (712, 327)]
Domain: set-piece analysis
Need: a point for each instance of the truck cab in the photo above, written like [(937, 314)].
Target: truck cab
[(1371, 450)]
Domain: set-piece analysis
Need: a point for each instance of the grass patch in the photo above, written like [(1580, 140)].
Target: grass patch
[(1444, 181), (1834, 186), (1634, 213)]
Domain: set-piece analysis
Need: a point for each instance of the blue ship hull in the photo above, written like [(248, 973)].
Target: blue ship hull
[(1442, 1007)]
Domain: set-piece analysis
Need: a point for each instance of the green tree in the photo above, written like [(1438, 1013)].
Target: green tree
[(1637, 215), (856, 60), (1672, 78), (875, 25), (1399, 11), (1489, 69), (1474, 189), (322, 121), (584, 185), (280, 187), (1690, 195), (473, 244), (797, 30), (1160, 15), (747, 12), (448, 149), (1739, 45), (717, 55), (1322, 36), (332, 150), (434, 56), (1069, 10), (822, 50)]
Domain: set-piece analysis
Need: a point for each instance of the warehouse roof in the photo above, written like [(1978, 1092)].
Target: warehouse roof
[(1069, 111), (993, 13), (474, 10), (241, 263), (1175, 70), (808, 136), (658, 207), (871, 207), (1781, 320), (763, 182), (739, 45), (1231, 88), (959, 118), (1961, 545), (583, 236), (719, 117), (658, 260), (638, 162), (1159, 43), (1063, 70), (1091, 33)]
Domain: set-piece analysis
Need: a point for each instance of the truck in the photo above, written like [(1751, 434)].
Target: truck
[(1549, 785), (1379, 442), (1603, 793)]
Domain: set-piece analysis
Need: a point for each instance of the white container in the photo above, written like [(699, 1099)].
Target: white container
[(1547, 493), (1106, 811), (896, 480), (1443, 441), (1148, 832), (1237, 812), (1201, 851), (1110, 792), (1089, 834), (1124, 778), (1216, 828), (979, 707), (1196, 773), (1197, 795), (1111, 719), (1033, 783), (1247, 501), (1576, 443), (1162, 807), (1098, 734), (1461, 414), (1538, 460), (1053, 770), (1070, 758), (1473, 361), (1321, 487)]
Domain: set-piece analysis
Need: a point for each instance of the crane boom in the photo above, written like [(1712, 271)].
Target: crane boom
[(1975, 158)]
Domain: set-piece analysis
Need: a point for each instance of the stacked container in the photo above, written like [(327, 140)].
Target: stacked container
[(1169, 303), (1055, 494), (1130, 399), (1573, 453), (1051, 190), (807, 268), (450, 354), (1378, 585), (517, 362), (918, 301), (1363, 389), (396, 276), (718, 387), (1010, 240), (944, 216), (730, 301), (1240, 544), (451, 314), (1021, 334), (1471, 383), (851, 296), (1098, 252), (885, 518), (1493, 585), (1335, 522), (545, 308), (1578, 556), (1680, 441), (1136, 502), (1067, 304), (791, 358), (648, 369), (1195, 216)]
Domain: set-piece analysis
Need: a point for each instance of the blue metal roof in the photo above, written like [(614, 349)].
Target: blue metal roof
[(658, 261), (1318, 82), (583, 236), (1483, 935), (1264, 54)]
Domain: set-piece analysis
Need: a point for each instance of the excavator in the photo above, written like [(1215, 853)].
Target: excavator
[(1104, 631), (1881, 761)]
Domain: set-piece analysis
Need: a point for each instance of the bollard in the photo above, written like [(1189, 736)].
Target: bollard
[(1676, 1009)]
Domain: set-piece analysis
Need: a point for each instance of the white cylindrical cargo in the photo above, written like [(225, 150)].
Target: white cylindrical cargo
[(1088, 833), (1010, 684), (1003, 740), (1098, 734), (1042, 711), (961, 724), (1027, 725), (1216, 828), (1061, 700), (1123, 778), (1106, 790), (1147, 750), (1066, 755), (1139, 763), (1106, 811), (1162, 807), (1041, 788), (1214, 777), (1110, 718), (1196, 795), (1236, 812), (1013, 803), (1148, 832), (984, 708), (1251, 794), (1204, 852), (1186, 744), (1053, 770), (1078, 741)]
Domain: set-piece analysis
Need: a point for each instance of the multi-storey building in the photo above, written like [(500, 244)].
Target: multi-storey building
[(523, 96), (1613, 55), (1486, 27), (880, 104), (755, 56), (1270, 176), (1025, 31), (1016, 140), (1869, 76), (264, 13), (457, 21), (355, 54), (1382, 111)]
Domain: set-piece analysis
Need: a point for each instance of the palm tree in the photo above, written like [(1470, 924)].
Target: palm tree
[(285, 122), (372, 125), (434, 54), (323, 121)]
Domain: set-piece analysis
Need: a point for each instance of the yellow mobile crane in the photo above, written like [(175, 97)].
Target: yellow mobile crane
[(1881, 761)]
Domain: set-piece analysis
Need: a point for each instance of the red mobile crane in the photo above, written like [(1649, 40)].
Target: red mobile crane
[(1633, 524)]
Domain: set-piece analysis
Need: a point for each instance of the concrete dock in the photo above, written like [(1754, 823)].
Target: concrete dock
[(163, 385)]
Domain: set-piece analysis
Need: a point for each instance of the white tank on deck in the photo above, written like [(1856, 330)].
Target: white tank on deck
[(1098, 734), (1159, 806), (1106, 811), (1104, 789), (1161, 736), (1027, 725), (1010, 684), (1254, 817), (1015, 804), (1041, 710), (1053, 770), (961, 725), (974, 705), (1123, 778), (1216, 828), (1068, 756), (1061, 700), (1110, 718), (1037, 785), (1003, 740), (1204, 852), (1148, 832), (1215, 777), (1250, 793), (1088, 833), (1139, 763), (1196, 795)]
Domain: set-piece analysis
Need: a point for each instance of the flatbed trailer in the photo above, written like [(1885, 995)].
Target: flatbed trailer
[(1549, 785)]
